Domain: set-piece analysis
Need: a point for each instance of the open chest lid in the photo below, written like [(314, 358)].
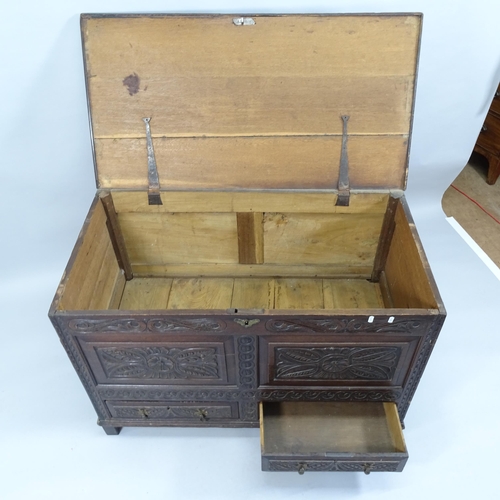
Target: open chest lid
[(251, 102)]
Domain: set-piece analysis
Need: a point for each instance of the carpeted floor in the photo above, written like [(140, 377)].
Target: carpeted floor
[(480, 226)]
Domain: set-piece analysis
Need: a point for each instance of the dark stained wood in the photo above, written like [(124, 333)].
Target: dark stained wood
[(249, 296), (250, 237), (111, 431), (116, 235)]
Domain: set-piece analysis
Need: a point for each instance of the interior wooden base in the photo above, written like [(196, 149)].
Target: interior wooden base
[(222, 251), (250, 293)]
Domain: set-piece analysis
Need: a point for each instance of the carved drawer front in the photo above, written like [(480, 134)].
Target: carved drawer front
[(193, 361), (151, 411), (330, 437), (319, 361)]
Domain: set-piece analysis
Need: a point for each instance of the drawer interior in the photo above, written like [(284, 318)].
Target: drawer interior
[(295, 428), (302, 431), (224, 251)]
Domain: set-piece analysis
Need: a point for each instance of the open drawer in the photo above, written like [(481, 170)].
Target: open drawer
[(331, 436)]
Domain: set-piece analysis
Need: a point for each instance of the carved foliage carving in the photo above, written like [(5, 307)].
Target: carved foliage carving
[(157, 325), (336, 363), (159, 362), (346, 325)]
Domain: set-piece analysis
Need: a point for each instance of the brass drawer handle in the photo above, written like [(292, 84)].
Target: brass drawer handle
[(484, 128), (302, 469), (367, 468), (202, 413)]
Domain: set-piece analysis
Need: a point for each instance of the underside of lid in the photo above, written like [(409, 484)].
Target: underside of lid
[(251, 106)]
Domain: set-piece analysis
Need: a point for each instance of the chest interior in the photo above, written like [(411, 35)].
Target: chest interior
[(251, 156), (240, 251)]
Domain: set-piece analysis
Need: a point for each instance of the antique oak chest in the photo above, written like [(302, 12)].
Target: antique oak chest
[(249, 257)]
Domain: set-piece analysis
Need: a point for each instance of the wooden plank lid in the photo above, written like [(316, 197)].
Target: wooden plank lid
[(251, 103)]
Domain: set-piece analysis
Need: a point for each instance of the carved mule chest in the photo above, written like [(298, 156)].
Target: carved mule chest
[(249, 257)]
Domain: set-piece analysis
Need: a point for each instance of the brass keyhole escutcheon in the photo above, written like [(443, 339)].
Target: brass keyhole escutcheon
[(144, 413), (247, 323), (203, 414)]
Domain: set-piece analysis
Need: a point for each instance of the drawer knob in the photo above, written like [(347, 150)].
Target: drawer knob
[(367, 468), (302, 469), (484, 128)]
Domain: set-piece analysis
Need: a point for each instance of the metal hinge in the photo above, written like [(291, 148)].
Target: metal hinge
[(344, 189), (154, 197), (243, 21)]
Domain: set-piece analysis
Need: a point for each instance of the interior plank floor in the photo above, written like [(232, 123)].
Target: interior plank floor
[(250, 293)]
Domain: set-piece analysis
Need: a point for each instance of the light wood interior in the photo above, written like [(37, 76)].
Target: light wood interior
[(244, 257), (95, 281), (250, 293), (296, 429), (251, 107)]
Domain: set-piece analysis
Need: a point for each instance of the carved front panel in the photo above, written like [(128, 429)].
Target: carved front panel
[(319, 361), (193, 362), (173, 363), (336, 363)]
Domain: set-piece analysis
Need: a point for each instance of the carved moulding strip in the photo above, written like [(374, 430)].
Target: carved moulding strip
[(347, 325), (336, 363), (76, 358), (371, 466), (294, 466), (418, 368), (155, 325), (331, 466), (249, 411), (330, 395), (157, 362), (168, 394), (247, 362)]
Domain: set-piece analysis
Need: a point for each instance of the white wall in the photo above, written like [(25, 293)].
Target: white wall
[(47, 179)]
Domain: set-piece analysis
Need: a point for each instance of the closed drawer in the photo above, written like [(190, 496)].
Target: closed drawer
[(489, 137), (149, 411), (344, 437)]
